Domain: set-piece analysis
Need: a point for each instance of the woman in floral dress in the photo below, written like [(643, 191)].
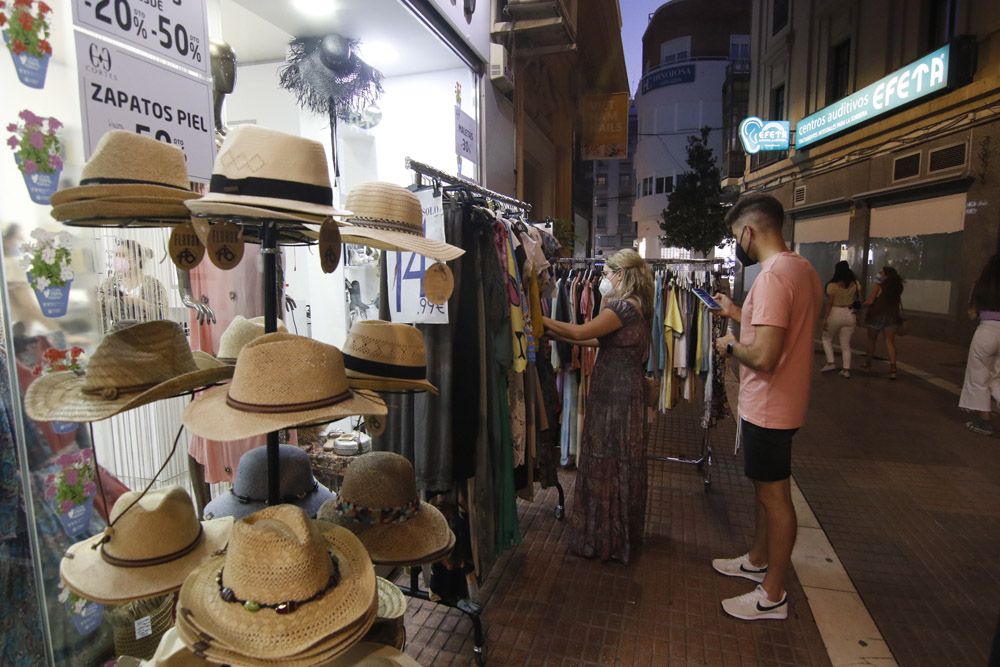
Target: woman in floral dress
[(609, 509)]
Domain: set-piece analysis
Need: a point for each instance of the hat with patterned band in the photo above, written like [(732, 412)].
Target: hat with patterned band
[(249, 491), (288, 589), (280, 381), (388, 216), (153, 542), (378, 501), (386, 356)]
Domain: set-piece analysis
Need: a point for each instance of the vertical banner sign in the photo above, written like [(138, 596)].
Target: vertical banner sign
[(122, 90), (176, 30), (407, 301), (466, 136), (605, 127)]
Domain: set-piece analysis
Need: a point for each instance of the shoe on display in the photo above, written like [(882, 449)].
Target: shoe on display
[(980, 426), (754, 606), (828, 368), (739, 567), (845, 374)]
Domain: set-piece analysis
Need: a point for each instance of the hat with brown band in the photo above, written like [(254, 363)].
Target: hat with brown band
[(386, 356), (152, 543), (132, 366), (378, 501), (280, 381)]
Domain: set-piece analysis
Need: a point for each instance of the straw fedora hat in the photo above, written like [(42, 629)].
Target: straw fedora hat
[(386, 357), (249, 491), (132, 366), (153, 542), (240, 332), (125, 164), (388, 216), (287, 588), (378, 501), (264, 169), (281, 381), (108, 210)]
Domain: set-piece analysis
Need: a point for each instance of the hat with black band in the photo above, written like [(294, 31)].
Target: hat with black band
[(386, 356)]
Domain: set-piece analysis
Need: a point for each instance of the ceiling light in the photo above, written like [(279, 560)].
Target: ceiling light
[(314, 8), (378, 54)]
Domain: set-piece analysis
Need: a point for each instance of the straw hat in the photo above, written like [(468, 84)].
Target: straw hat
[(104, 211), (378, 501), (131, 367), (391, 601), (281, 381), (288, 589), (386, 357), (264, 169), (125, 164), (249, 491), (367, 654), (389, 217), (148, 550), (240, 332)]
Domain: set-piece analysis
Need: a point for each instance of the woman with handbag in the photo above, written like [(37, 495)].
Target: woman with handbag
[(984, 351), (885, 315), (843, 300)]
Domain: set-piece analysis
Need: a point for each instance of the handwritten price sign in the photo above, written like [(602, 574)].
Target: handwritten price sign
[(407, 301)]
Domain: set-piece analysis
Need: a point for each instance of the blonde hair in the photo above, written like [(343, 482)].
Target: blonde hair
[(637, 279)]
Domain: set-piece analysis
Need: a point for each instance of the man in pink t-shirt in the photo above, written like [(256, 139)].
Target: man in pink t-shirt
[(775, 351)]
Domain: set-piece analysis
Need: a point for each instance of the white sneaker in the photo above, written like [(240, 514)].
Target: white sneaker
[(740, 567), (754, 606), (845, 374), (828, 368)]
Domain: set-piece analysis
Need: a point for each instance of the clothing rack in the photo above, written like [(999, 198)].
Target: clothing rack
[(430, 172)]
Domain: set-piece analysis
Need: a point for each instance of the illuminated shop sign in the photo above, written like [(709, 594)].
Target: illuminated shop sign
[(764, 135), (918, 79), (668, 76)]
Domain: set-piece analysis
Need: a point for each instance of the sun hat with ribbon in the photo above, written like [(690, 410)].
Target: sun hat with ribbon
[(288, 589), (260, 171), (240, 332), (132, 366), (386, 356), (378, 501), (388, 216), (249, 491), (152, 543), (107, 210), (280, 381)]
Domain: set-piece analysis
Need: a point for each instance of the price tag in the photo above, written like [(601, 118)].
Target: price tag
[(408, 301), (186, 249), (466, 136), (122, 90), (143, 627), (176, 30)]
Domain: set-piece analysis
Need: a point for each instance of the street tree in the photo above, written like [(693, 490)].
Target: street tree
[(694, 218)]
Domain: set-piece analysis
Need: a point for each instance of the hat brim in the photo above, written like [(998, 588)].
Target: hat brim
[(107, 212), (391, 601), (368, 654), (61, 396), (269, 635), (292, 229), (212, 200), (228, 504), (210, 416), (363, 381), (356, 232), (424, 538), (86, 573), (84, 192)]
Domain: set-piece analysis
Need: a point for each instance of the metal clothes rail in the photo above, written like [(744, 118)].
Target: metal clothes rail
[(423, 169)]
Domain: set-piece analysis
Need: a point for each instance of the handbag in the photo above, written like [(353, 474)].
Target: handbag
[(856, 304)]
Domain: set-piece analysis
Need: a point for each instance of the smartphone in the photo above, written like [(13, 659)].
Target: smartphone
[(706, 298)]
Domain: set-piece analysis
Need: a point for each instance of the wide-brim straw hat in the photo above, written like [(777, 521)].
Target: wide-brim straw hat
[(386, 356), (212, 209), (102, 212), (266, 169), (378, 502), (248, 494), (132, 366), (149, 550), (278, 557), (280, 381), (390, 217), (127, 164), (241, 330)]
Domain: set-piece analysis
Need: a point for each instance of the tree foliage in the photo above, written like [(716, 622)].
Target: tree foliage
[(694, 218)]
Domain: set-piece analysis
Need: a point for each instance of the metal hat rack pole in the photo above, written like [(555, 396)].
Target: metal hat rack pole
[(269, 249)]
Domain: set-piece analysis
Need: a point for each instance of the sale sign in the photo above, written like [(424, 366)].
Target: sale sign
[(408, 299)]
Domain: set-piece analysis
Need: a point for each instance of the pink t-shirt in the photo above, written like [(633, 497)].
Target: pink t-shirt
[(786, 294)]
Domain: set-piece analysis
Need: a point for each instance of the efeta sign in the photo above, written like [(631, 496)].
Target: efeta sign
[(764, 135)]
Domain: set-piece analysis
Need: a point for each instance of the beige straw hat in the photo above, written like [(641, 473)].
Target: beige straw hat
[(378, 501), (281, 381), (386, 357), (240, 332), (132, 366), (265, 169), (287, 589), (391, 601), (148, 550), (119, 210), (127, 164), (388, 216)]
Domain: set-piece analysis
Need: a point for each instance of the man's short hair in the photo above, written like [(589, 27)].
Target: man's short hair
[(765, 208)]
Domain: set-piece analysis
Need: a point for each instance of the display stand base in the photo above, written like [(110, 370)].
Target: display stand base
[(703, 461)]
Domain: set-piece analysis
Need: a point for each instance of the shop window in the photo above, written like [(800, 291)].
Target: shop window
[(838, 72), (777, 102), (940, 22), (779, 17)]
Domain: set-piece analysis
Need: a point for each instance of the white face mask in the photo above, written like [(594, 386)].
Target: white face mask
[(606, 287)]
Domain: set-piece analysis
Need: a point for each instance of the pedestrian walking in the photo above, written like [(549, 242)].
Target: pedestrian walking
[(884, 315), (984, 351), (775, 351), (840, 319)]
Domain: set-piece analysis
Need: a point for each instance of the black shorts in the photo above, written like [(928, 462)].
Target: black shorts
[(767, 452)]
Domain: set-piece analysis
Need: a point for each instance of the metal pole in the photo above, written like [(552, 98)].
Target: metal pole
[(269, 248)]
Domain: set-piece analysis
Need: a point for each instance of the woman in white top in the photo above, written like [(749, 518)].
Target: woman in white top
[(843, 295)]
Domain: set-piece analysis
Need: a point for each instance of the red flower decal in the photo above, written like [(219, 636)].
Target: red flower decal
[(3, 19), (19, 47), (44, 8), (44, 45), (27, 21)]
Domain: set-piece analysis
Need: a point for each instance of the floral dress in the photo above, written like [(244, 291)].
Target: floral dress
[(609, 508)]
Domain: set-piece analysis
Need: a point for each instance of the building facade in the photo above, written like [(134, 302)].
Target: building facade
[(896, 112), (614, 196)]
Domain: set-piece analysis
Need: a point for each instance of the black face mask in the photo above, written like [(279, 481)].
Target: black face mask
[(743, 256)]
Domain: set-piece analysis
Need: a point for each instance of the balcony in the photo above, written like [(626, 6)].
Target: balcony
[(537, 27)]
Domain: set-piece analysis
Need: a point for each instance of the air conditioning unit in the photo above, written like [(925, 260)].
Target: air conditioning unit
[(501, 70)]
